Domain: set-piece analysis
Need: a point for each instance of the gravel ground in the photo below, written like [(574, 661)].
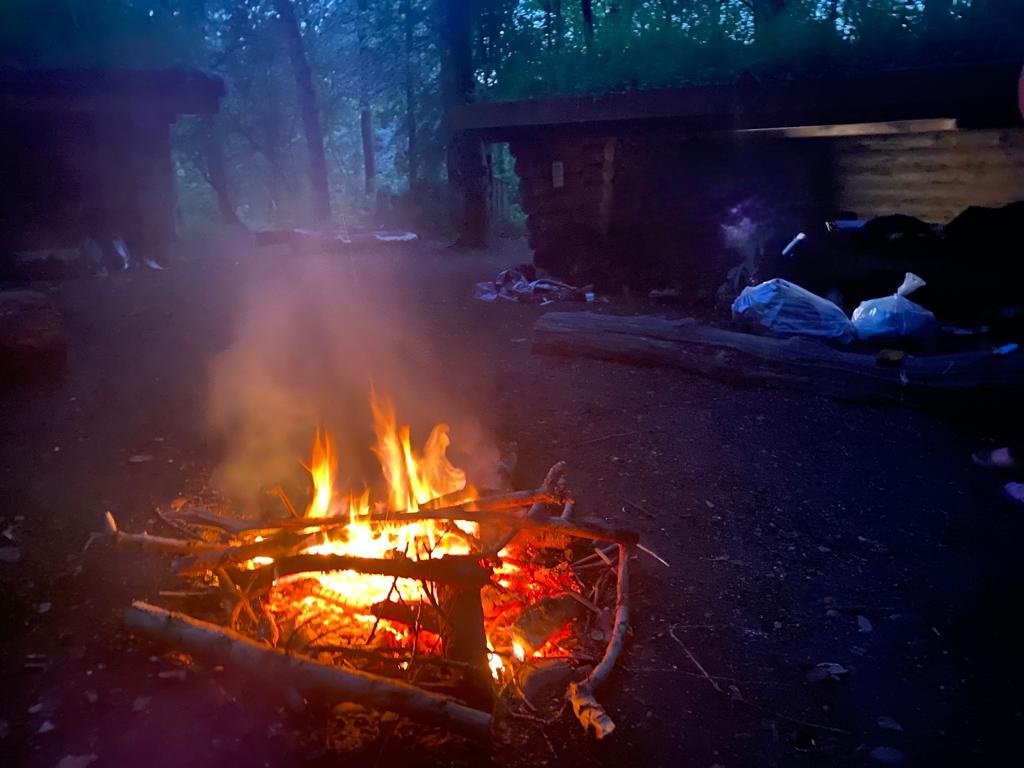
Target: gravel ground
[(799, 530)]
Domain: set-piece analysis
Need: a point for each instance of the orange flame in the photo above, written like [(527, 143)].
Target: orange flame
[(323, 467), (412, 478)]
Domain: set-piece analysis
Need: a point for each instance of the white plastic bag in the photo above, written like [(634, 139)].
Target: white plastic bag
[(782, 307), (895, 316)]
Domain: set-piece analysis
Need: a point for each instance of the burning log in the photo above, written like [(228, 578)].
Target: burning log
[(461, 609), (581, 528), (449, 569), (464, 641), (423, 615), (308, 677), (467, 510), (543, 619), (588, 710), (279, 546)]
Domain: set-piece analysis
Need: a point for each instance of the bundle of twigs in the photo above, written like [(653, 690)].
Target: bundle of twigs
[(455, 582)]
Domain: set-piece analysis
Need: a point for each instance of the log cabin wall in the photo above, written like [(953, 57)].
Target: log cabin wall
[(933, 176), (645, 208)]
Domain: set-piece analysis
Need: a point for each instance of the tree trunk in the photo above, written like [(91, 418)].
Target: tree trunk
[(467, 169), (216, 170), (456, 27), (412, 156), (587, 9), (556, 10), (833, 16), (365, 114), (310, 113), (936, 15), (280, 188), (766, 14), (465, 158)]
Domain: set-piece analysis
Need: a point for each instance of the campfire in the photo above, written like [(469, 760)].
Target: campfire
[(430, 598)]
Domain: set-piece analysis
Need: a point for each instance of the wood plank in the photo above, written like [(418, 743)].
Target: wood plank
[(856, 97), (747, 359), (935, 141)]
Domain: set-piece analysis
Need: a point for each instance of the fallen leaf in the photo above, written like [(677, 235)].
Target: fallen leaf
[(44, 607), (826, 670), (46, 727), (140, 458), (863, 625), (887, 723)]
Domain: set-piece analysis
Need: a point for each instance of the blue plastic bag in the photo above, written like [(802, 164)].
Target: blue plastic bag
[(896, 316), (781, 307)]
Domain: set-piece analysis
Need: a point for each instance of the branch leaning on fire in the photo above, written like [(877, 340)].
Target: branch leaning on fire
[(273, 551)]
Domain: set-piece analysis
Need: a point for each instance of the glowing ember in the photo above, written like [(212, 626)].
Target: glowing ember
[(518, 651)]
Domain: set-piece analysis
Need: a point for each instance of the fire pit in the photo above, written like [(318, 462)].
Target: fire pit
[(436, 601)]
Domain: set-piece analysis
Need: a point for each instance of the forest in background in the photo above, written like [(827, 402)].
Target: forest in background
[(333, 111)]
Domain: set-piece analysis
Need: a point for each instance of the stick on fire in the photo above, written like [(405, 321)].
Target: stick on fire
[(427, 570)]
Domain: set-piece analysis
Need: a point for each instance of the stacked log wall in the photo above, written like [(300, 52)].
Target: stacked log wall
[(932, 176), (646, 208)]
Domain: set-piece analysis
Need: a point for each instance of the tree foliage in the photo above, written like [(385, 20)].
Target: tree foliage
[(541, 47), (376, 69)]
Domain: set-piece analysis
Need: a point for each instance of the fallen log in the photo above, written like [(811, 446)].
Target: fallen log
[(747, 359), (588, 710), (306, 676)]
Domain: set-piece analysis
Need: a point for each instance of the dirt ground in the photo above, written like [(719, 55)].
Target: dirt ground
[(799, 530)]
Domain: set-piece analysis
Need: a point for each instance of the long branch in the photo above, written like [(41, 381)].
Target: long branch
[(306, 676), (581, 528), (588, 710), (153, 543), (461, 511)]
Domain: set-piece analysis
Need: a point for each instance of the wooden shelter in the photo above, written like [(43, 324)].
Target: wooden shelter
[(88, 153), (633, 186)]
